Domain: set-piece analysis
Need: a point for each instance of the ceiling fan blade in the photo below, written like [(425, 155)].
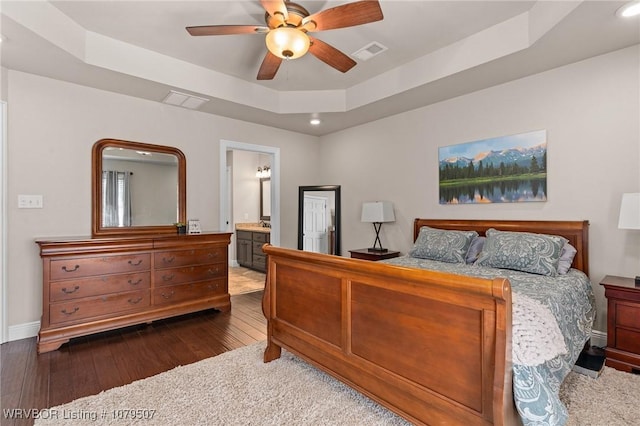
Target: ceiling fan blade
[(347, 15), (330, 55), (276, 7), (269, 67), (209, 30)]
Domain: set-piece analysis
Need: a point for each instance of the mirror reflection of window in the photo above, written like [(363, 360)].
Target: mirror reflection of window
[(116, 198), (153, 199)]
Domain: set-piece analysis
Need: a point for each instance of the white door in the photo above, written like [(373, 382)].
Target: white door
[(315, 237)]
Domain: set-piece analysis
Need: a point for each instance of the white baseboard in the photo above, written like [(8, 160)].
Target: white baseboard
[(598, 338), (233, 263), (23, 331)]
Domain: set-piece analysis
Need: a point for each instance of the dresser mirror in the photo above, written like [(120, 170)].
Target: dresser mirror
[(137, 188), (319, 219)]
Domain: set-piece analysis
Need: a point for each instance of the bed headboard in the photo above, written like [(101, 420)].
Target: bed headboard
[(577, 232)]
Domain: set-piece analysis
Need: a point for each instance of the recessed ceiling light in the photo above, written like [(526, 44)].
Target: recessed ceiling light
[(629, 9), (315, 121)]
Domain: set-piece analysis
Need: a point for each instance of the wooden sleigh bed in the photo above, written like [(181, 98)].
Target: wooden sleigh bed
[(433, 347)]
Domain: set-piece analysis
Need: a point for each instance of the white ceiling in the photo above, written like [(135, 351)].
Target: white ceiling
[(436, 50)]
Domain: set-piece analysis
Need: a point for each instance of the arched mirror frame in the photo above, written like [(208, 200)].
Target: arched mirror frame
[(97, 229), (338, 227)]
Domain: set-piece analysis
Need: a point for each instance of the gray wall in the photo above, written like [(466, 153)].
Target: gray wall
[(52, 126), (591, 113)]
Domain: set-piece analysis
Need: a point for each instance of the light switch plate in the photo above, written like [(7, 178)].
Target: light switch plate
[(30, 201)]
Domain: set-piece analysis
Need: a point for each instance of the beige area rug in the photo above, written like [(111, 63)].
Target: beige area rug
[(237, 388), (245, 280)]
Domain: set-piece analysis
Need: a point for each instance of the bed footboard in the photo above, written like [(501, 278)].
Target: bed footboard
[(434, 348)]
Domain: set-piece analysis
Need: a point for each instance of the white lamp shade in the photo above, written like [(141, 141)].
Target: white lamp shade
[(630, 211), (378, 211)]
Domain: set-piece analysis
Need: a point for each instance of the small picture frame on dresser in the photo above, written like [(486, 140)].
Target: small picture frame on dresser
[(194, 226)]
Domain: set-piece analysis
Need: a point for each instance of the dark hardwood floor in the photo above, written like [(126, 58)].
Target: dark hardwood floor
[(89, 365)]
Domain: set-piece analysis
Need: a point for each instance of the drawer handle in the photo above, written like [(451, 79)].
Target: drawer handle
[(168, 296), (212, 271), (136, 283), (64, 311), (212, 254), (75, 268), (135, 264), (168, 277), (135, 302), (212, 287), (170, 260), (65, 291)]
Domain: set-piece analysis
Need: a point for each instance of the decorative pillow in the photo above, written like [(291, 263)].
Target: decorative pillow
[(443, 245), (566, 258), (474, 249), (522, 251)]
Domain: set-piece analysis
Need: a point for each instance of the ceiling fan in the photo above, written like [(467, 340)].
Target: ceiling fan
[(287, 27)]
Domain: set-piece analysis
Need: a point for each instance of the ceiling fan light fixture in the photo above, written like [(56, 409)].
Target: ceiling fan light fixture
[(287, 42)]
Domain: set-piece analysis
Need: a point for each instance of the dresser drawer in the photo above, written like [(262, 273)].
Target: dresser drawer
[(628, 315), (170, 259), (100, 306), (192, 291), (627, 340), (261, 237), (188, 274), (95, 286), (61, 269)]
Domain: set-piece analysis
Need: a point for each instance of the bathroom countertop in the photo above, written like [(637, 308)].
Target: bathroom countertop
[(253, 227)]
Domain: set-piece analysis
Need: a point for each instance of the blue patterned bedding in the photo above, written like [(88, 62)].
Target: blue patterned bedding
[(570, 299)]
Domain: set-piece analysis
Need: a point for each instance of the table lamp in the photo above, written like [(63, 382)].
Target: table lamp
[(377, 212)]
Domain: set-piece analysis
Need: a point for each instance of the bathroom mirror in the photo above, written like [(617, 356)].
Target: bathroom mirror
[(319, 219), (265, 199), (137, 188)]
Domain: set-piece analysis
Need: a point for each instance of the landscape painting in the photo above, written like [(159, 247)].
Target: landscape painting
[(506, 169)]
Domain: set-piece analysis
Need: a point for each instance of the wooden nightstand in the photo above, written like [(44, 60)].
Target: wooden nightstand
[(623, 323), (373, 255)]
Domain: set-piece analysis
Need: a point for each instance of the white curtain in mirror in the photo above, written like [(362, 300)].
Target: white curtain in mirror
[(116, 198)]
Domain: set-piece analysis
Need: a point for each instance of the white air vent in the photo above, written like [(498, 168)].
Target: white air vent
[(184, 100), (369, 51)]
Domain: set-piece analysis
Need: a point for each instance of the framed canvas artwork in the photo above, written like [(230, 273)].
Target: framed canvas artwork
[(505, 169)]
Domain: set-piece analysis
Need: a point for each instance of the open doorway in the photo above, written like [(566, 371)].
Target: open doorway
[(241, 204)]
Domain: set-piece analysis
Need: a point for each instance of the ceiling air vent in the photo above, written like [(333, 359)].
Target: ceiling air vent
[(369, 51), (184, 100)]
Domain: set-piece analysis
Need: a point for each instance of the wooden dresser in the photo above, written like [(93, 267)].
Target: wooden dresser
[(96, 284)]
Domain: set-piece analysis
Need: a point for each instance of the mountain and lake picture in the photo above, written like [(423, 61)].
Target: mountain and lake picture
[(506, 169)]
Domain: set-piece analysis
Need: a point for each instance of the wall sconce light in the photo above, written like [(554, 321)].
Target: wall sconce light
[(377, 213), (263, 172)]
